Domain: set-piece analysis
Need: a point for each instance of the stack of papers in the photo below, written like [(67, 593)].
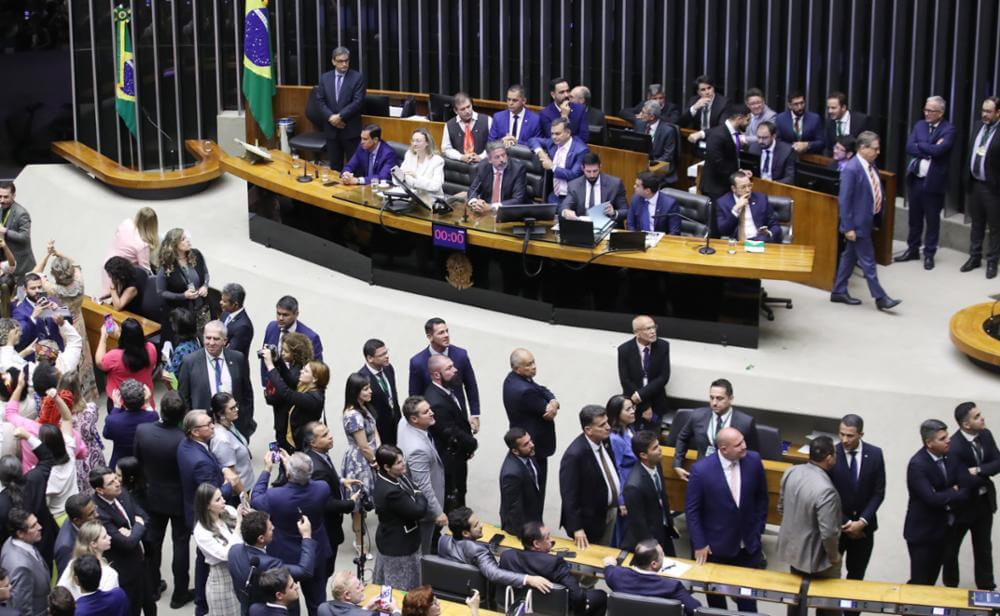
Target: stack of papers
[(653, 238), (673, 568)]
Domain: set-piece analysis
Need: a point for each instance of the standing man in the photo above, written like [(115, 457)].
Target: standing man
[(759, 112), (841, 121), (385, 396), (861, 200), (517, 124), (531, 407), (423, 464), (466, 134), (451, 431), (809, 537), (373, 161), (663, 153), (975, 449), (464, 386), (939, 486), (15, 229), (859, 477), (562, 155), (746, 214), (726, 509), (562, 107), (984, 185), (28, 570), (644, 371), (341, 94), (592, 189), (286, 319), (239, 328), (929, 146), (704, 110), (650, 209), (798, 127), (520, 491), (722, 151), (777, 158), (645, 501), (588, 482), (701, 432)]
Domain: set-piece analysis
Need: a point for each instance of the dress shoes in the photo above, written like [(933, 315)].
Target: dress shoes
[(928, 262), (991, 269), (179, 600), (844, 298), (887, 303), (910, 254), (971, 264)]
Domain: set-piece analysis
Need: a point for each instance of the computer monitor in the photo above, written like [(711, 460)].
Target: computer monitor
[(440, 107), (818, 178), (529, 213), (629, 140), (376, 105), (750, 161)]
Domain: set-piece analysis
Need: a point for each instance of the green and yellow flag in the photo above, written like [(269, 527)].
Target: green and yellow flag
[(258, 76), (124, 69)]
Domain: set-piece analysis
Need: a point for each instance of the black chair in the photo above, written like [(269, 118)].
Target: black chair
[(714, 611), (376, 105), (783, 210), (535, 173), (457, 176), (312, 141), (696, 208), (439, 107), (769, 442), (680, 419), (555, 603), (623, 604), (409, 107), (399, 148), (451, 580), (596, 134)]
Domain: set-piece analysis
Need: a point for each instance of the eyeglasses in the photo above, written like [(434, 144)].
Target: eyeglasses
[(926, 110), (205, 425)]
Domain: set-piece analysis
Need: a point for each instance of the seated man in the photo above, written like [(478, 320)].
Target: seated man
[(537, 560), (517, 124), (777, 159), (462, 546), (843, 151), (465, 136), (372, 161), (651, 210), (581, 96), (800, 128), (595, 187), (643, 578), (348, 594), (761, 224), (562, 107), (669, 112), (663, 154), (562, 154), (497, 180)]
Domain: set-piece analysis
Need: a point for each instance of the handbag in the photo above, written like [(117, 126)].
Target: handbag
[(514, 606)]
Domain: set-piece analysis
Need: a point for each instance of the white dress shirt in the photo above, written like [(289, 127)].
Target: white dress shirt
[(595, 188), (612, 476), (559, 161), (214, 549), (227, 379), (456, 153)]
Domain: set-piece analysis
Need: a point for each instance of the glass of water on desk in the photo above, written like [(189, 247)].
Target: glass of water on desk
[(731, 241), (324, 172), (296, 161)]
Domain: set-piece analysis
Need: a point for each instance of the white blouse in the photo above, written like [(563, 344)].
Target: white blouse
[(109, 578), (62, 481), (217, 550), (428, 175)]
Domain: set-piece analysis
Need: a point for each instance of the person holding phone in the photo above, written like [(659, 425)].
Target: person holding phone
[(183, 277), (34, 314)]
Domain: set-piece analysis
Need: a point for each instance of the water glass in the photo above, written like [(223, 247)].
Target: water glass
[(324, 172), (732, 245), (296, 161)]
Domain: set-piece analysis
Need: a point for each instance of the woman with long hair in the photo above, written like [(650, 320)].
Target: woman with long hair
[(62, 479), (421, 601), (133, 359), (362, 441), (185, 331), (423, 167), (93, 539), (136, 241), (182, 280), (621, 417), (284, 378), (133, 478), (125, 285), (400, 506), (216, 529)]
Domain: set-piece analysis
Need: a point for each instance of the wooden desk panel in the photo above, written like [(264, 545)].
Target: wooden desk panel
[(448, 608), (967, 334), (93, 318), (110, 172)]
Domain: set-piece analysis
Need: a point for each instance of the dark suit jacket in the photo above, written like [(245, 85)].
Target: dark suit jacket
[(120, 427), (645, 515), (263, 609), (612, 190), (694, 434), (550, 566), (714, 519), (125, 554), (63, 552), (582, 487), (387, 413), (761, 211), (665, 221), (513, 186), (922, 144), (337, 506), (44, 328), (783, 161), (934, 502), (595, 117), (465, 386), (629, 581), (530, 126), (239, 332), (665, 146), (856, 203), (348, 105), (273, 333), (33, 500), (961, 449), (811, 127), (198, 465), (525, 403), (861, 499), (577, 120), (654, 392), (385, 160), (196, 389), (670, 113), (859, 124), (239, 568), (520, 500), (451, 430), (112, 602), (716, 112), (722, 159), (18, 237), (991, 166), (156, 448), (284, 504)]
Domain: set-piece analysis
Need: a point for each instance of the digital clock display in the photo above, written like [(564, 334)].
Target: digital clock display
[(445, 236)]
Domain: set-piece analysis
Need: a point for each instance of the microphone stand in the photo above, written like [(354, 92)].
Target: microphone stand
[(707, 248)]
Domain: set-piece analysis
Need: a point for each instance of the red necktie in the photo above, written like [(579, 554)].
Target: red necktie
[(877, 188), (497, 180), (798, 132), (469, 144)]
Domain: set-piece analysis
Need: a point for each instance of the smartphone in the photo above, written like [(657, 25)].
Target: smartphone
[(245, 499), (109, 323), (385, 598), (496, 539), (621, 557), (273, 448)]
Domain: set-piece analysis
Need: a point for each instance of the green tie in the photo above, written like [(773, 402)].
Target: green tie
[(840, 128), (384, 385)]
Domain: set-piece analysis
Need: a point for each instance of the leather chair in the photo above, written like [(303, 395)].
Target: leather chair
[(623, 604), (399, 148), (783, 210), (451, 580), (312, 141), (555, 603), (457, 176), (375, 105), (769, 442), (680, 419), (536, 176), (696, 208)]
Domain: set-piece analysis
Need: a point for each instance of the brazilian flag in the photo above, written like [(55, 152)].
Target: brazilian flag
[(124, 69), (258, 77)]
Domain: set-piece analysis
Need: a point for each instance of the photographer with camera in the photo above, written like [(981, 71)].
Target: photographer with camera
[(296, 398)]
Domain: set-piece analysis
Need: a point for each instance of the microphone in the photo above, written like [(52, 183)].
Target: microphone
[(254, 563), (707, 248)]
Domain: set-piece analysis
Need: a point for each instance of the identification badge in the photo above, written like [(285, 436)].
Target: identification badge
[(981, 151)]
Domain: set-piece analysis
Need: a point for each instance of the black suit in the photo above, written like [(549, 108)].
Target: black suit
[(648, 511), (977, 514), (387, 413), (722, 159), (555, 569), (595, 117), (654, 392), (126, 553), (583, 489), (525, 402), (341, 142), (156, 449), (859, 124), (513, 184), (239, 332), (694, 434), (325, 470), (782, 162), (859, 498), (666, 144), (984, 205), (33, 500), (196, 389), (454, 442), (716, 112), (520, 499)]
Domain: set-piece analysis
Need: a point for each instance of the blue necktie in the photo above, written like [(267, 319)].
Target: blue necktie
[(767, 162), (371, 164), (340, 82), (218, 374), (852, 467)]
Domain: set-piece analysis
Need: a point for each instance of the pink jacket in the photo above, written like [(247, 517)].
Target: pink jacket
[(28, 457)]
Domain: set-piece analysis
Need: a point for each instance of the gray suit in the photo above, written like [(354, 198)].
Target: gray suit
[(29, 579), (809, 537), (611, 190), (426, 472), (18, 237), (343, 608), (478, 555)]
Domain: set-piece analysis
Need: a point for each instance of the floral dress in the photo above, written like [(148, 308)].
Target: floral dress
[(71, 297), (85, 422), (355, 466)]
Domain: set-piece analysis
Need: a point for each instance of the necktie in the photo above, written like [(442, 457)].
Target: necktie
[(384, 384), (513, 130), (591, 201), (736, 140), (229, 318), (977, 449), (944, 469), (607, 476), (877, 187), (767, 163), (218, 374), (497, 181), (371, 165), (121, 510), (840, 128), (532, 473), (977, 161), (659, 497), (281, 335), (852, 466), (705, 117), (734, 487), (340, 82), (645, 362), (797, 127), (930, 133), (719, 425), (468, 145)]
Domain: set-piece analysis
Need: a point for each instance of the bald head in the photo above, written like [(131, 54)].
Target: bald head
[(522, 363), (731, 444), (644, 328), (441, 369)]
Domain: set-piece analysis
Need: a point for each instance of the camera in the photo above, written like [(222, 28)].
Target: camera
[(366, 500), (273, 349)]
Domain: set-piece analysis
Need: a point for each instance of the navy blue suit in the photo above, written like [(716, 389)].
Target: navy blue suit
[(239, 332), (857, 213), (273, 333), (859, 498), (386, 404), (362, 165), (810, 129), (665, 222), (341, 142), (466, 389), (936, 497), (529, 122), (761, 211), (43, 328), (629, 581), (239, 569), (524, 400), (120, 427), (520, 499), (103, 603), (577, 120), (925, 195), (781, 164), (573, 167), (977, 514), (65, 540)]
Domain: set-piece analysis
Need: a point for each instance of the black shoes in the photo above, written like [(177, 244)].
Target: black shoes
[(180, 600), (887, 303), (910, 254), (928, 262), (844, 298), (971, 264), (991, 269)]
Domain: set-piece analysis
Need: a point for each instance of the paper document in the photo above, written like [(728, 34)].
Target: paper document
[(597, 216), (673, 568), (653, 238)]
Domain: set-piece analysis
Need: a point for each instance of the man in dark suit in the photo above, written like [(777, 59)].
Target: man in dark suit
[(645, 500), (746, 214), (516, 124), (802, 129), (16, 230), (700, 433), (29, 315), (841, 121), (983, 182), (669, 112), (156, 449), (704, 110), (531, 407), (859, 477), (939, 486), (726, 509), (239, 328), (723, 144), (385, 396), (341, 97), (929, 146), (588, 482), (644, 371), (641, 578), (562, 107), (79, 509), (287, 320), (592, 189), (93, 601), (497, 181), (465, 386), (465, 135), (652, 210), (372, 161), (665, 137), (520, 491), (975, 449), (561, 155), (595, 117), (861, 200), (777, 158), (536, 559), (451, 431), (125, 522), (280, 591), (213, 369)]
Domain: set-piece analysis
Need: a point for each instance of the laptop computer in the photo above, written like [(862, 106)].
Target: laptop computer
[(627, 240), (576, 232)]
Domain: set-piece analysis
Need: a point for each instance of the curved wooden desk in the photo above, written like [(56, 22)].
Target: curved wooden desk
[(966, 330)]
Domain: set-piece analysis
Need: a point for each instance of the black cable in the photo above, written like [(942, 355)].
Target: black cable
[(381, 211), (524, 255), (576, 268)]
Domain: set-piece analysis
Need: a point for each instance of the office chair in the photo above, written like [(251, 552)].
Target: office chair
[(783, 210), (622, 604)]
